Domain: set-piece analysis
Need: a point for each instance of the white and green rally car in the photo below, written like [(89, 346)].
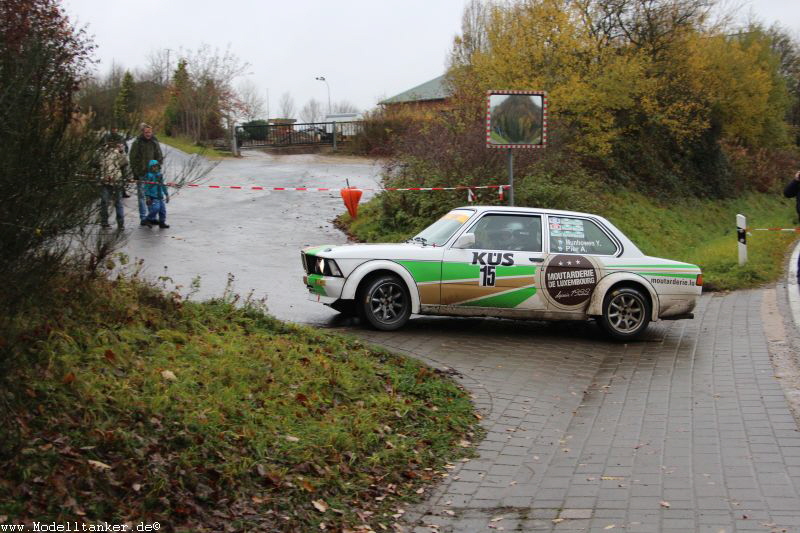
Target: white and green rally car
[(510, 262)]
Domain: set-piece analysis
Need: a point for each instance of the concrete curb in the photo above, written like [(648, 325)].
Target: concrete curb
[(793, 288)]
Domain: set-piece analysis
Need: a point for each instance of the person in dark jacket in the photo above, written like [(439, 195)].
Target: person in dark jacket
[(143, 150), (793, 191)]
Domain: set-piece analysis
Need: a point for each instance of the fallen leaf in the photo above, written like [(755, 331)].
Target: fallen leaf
[(168, 375), (319, 505), (69, 378), (110, 355), (99, 465), (307, 486)]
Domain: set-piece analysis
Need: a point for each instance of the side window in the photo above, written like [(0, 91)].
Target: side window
[(521, 233), (578, 236)]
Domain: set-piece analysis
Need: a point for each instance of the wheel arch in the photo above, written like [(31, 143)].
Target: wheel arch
[(622, 279), (377, 267)]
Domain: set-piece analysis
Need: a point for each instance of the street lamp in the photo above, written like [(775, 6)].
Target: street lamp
[(322, 78)]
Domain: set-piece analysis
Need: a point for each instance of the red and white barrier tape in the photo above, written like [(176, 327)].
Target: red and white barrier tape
[(332, 189), (794, 230)]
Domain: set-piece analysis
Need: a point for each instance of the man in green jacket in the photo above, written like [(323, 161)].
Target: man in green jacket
[(144, 149)]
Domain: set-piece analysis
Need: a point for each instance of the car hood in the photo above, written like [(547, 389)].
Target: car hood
[(368, 251)]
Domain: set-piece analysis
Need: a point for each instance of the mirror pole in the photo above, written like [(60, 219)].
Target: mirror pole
[(511, 176)]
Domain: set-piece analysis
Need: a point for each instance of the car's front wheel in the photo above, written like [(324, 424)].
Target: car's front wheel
[(626, 313), (385, 303)]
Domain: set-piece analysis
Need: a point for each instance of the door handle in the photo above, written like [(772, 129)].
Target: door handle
[(536, 259)]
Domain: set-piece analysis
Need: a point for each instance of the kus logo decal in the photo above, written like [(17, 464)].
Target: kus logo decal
[(570, 279), (489, 262)]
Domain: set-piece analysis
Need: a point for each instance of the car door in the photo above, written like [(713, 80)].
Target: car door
[(498, 265), (578, 249)]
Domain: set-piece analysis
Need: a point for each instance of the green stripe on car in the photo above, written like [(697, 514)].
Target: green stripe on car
[(667, 275), (686, 265), (427, 271), (315, 282)]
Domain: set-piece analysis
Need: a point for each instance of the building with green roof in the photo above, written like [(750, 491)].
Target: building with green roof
[(432, 93)]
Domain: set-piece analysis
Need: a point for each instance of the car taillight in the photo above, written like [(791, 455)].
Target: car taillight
[(699, 281)]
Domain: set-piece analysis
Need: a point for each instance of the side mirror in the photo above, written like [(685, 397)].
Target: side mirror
[(466, 240)]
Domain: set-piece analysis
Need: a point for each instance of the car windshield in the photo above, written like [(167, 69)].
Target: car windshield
[(440, 231)]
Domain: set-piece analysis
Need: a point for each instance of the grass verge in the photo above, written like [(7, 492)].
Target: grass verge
[(123, 404), (185, 144), (702, 232)]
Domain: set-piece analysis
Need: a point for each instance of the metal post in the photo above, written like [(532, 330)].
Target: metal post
[(334, 136), (741, 232), (234, 144), (511, 176)]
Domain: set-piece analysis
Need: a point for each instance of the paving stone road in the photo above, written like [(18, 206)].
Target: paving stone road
[(688, 430)]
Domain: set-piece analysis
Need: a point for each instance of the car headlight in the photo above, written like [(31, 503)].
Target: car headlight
[(328, 267)]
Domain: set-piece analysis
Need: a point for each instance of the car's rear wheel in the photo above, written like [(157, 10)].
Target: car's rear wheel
[(385, 303), (626, 313)]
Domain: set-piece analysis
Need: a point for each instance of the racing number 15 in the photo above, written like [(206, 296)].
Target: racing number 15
[(488, 275)]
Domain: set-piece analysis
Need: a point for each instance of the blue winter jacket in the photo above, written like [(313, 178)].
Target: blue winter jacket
[(154, 182)]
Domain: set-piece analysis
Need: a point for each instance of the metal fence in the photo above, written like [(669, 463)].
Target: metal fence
[(281, 135)]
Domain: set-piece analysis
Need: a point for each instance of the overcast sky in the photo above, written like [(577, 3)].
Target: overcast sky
[(366, 49)]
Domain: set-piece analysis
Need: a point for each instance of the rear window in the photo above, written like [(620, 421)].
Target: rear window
[(570, 235)]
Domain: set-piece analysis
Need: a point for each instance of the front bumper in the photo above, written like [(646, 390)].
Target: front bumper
[(323, 289)]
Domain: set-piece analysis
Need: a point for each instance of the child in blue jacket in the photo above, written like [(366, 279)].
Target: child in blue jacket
[(157, 196)]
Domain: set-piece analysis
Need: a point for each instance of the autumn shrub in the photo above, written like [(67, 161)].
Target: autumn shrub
[(49, 203), (379, 131)]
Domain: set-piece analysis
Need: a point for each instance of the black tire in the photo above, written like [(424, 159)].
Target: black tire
[(626, 313), (385, 303), (345, 307)]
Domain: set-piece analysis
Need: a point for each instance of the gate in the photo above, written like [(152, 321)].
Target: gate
[(308, 134)]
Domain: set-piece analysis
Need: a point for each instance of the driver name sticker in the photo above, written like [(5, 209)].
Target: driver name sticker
[(569, 280)]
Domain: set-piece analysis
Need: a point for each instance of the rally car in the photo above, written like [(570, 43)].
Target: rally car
[(511, 262)]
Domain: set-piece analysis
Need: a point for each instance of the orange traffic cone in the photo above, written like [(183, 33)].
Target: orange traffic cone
[(351, 196)]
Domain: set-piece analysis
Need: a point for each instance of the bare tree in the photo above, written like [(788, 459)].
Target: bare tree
[(158, 68), (251, 104), (286, 105), (311, 112), (473, 33), (647, 24), (202, 92), (343, 106)]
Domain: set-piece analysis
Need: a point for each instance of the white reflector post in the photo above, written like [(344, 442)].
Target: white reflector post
[(741, 233)]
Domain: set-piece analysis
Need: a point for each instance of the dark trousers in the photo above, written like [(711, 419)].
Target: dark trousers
[(109, 194)]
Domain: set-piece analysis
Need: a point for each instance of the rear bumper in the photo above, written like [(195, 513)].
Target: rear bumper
[(676, 307)]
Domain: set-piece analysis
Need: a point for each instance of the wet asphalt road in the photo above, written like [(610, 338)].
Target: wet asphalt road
[(254, 235)]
